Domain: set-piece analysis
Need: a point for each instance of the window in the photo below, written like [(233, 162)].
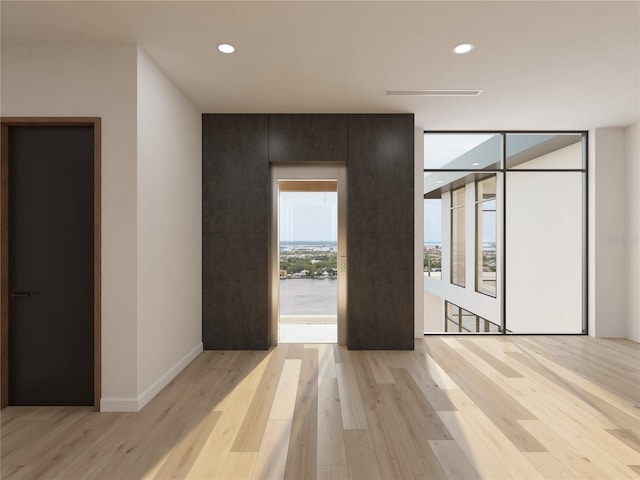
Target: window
[(458, 237), (486, 236)]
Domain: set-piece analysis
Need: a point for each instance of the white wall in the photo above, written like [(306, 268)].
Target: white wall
[(433, 313), (632, 231), (94, 81), (151, 202), (169, 230), (606, 233)]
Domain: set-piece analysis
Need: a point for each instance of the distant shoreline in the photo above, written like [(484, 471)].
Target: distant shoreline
[(309, 243)]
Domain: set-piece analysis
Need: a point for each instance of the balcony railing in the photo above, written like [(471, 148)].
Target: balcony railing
[(459, 320)]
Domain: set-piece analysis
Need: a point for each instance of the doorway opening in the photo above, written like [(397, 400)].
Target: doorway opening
[(308, 273), (308, 266)]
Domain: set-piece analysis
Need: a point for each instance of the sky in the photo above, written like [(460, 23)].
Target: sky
[(432, 221), (308, 216)]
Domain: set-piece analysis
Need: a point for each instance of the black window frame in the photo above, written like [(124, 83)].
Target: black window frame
[(503, 170)]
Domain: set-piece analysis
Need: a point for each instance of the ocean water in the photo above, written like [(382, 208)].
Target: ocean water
[(308, 297)]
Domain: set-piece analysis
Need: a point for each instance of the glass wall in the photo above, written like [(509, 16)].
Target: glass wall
[(512, 209), (462, 172)]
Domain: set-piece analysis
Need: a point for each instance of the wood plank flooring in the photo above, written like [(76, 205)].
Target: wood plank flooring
[(488, 407)]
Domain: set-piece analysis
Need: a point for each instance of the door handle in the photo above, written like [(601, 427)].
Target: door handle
[(20, 294)]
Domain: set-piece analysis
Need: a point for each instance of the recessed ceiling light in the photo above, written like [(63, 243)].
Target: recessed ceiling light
[(463, 48), (226, 48), (475, 164), (439, 181)]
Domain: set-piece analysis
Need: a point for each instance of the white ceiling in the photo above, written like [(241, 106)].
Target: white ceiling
[(542, 65)]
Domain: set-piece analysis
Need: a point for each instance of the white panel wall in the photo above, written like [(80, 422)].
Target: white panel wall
[(632, 231), (94, 81), (544, 252), (169, 230), (606, 229)]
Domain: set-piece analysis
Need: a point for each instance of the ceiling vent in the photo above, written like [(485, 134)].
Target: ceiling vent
[(434, 93)]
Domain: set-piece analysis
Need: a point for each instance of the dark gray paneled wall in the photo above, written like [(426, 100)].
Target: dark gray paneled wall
[(380, 232), (235, 232), (237, 150), (308, 138)]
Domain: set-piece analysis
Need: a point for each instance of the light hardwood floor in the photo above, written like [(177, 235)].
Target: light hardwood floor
[(455, 408)]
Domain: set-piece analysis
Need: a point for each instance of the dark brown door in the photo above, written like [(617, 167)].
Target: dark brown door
[(51, 265)]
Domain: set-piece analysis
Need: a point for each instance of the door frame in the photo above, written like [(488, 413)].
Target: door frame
[(309, 173), (5, 123)]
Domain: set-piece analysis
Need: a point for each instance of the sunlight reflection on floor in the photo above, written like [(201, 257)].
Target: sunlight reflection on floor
[(308, 333)]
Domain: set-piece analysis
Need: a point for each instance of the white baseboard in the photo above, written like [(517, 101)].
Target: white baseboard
[(119, 405), (162, 382), (136, 404)]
